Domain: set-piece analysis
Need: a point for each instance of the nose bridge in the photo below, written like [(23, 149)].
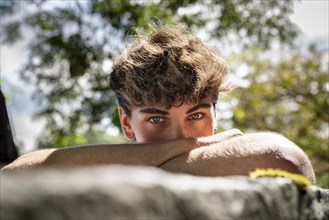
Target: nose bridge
[(179, 131)]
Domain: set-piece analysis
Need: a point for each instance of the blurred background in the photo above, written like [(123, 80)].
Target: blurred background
[(56, 59)]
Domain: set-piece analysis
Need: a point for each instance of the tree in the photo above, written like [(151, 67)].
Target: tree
[(287, 94), (89, 137), (74, 41)]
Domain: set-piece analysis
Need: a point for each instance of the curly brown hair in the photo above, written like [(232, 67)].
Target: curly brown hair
[(169, 66)]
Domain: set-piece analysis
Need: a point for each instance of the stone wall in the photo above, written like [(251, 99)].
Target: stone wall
[(123, 192)]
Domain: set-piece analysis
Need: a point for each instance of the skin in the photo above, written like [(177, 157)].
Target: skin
[(242, 153), (185, 143), (153, 123)]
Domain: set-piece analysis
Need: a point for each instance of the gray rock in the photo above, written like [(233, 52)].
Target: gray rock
[(126, 192)]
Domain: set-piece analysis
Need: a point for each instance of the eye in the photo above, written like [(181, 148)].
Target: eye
[(195, 116), (155, 120)]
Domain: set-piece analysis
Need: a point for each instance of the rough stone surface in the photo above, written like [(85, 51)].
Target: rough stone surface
[(123, 192)]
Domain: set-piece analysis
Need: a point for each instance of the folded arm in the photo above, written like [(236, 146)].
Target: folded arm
[(148, 154), (242, 155), (227, 153)]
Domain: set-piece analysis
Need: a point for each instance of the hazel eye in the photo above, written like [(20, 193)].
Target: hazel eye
[(155, 120), (195, 116)]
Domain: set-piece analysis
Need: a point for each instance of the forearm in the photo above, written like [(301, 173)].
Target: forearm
[(148, 154), (242, 155)]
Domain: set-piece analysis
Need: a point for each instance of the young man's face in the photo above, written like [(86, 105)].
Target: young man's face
[(153, 123)]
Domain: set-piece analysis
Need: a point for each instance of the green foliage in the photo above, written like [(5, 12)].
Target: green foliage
[(6, 7), (59, 140), (100, 137), (289, 96), (74, 42), (323, 181), (69, 140)]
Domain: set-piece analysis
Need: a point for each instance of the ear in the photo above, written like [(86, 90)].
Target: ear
[(125, 125)]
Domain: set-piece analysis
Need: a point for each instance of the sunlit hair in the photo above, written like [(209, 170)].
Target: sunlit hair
[(169, 66)]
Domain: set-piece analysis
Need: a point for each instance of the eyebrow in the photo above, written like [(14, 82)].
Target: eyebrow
[(163, 112), (198, 106)]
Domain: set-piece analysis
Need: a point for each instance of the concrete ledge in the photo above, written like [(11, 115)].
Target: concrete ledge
[(124, 192)]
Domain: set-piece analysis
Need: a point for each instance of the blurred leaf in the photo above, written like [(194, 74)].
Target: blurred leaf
[(290, 97), (13, 33)]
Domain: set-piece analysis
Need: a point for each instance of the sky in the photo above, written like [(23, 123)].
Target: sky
[(310, 15)]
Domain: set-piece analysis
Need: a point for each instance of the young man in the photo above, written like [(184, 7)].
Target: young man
[(167, 85)]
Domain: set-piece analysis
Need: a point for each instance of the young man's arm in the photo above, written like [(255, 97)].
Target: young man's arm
[(204, 156), (242, 155), (149, 154)]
